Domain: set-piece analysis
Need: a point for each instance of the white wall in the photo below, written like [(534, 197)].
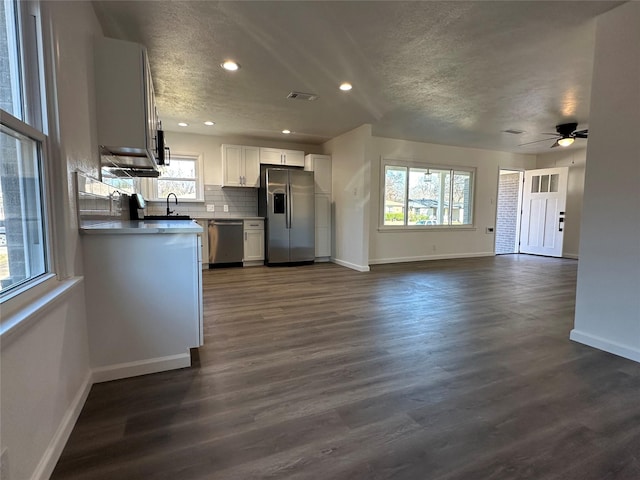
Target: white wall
[(350, 190), (386, 246), (45, 379), (209, 146), (45, 366), (608, 290), (575, 160)]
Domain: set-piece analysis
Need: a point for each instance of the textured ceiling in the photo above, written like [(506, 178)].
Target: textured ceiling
[(455, 73)]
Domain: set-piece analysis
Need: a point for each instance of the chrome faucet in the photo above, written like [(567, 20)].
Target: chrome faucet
[(169, 212)]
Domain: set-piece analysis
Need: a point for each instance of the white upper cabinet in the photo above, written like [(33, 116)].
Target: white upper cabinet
[(240, 166), (125, 102), (320, 165), (277, 156)]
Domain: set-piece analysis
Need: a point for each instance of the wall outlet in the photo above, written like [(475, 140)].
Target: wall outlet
[(211, 207), (489, 230), (226, 208)]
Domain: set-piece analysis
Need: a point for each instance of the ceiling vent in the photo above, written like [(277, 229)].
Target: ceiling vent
[(302, 96), (514, 132)]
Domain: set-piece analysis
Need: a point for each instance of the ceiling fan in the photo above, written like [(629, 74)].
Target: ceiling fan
[(566, 134)]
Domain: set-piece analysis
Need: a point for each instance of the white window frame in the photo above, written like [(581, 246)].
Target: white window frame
[(408, 165), (149, 186), (33, 125)]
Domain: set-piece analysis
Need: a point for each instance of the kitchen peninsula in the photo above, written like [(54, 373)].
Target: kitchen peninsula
[(144, 295)]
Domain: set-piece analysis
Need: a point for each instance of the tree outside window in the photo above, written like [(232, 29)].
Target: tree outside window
[(424, 196)]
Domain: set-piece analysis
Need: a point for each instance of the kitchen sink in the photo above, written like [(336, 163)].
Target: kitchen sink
[(167, 217)]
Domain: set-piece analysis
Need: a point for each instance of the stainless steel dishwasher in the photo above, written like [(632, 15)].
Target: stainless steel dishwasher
[(226, 245)]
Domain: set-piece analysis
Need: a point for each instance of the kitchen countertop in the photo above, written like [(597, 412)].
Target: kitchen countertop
[(228, 218), (131, 227)]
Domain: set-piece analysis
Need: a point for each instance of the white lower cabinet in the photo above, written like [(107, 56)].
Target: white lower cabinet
[(323, 225), (144, 302), (204, 249), (253, 242), (320, 165)]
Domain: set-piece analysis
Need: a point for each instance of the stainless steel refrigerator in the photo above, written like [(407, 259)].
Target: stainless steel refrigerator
[(287, 201)]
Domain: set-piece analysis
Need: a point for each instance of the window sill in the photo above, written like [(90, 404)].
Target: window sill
[(24, 316), (430, 229)]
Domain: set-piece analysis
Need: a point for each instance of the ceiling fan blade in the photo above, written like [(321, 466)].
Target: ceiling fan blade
[(537, 141), (555, 144), (547, 133), (581, 134)]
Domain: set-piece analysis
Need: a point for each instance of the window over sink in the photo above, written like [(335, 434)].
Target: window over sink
[(184, 176)]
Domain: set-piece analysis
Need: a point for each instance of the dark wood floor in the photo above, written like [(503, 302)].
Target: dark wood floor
[(458, 369)]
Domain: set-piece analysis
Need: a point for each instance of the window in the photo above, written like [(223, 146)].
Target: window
[(422, 196), (183, 176), (24, 252), (126, 184), (180, 177)]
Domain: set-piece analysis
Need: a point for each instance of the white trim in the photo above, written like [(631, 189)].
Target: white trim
[(17, 322), (151, 186), (352, 266), (605, 345), (322, 259), (426, 228), (408, 164), (52, 454), (422, 258), (141, 367), (573, 256), (516, 246)]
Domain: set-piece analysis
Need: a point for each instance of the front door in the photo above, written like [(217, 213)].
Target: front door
[(543, 211)]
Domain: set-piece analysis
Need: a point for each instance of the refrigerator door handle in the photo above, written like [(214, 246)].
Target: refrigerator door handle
[(289, 205)]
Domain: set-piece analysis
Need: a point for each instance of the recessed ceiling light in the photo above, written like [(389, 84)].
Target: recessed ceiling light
[(209, 123), (345, 86), (183, 124), (286, 132), (230, 65)]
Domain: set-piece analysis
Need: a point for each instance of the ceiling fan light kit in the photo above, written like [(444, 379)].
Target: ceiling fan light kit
[(565, 136)]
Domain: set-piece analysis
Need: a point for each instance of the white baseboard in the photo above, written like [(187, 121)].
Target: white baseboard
[(142, 367), (605, 345), (573, 256), (322, 259), (421, 258), (352, 266), (59, 440)]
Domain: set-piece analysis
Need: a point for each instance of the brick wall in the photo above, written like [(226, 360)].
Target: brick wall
[(507, 219)]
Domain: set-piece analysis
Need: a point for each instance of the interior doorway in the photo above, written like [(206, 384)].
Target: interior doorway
[(509, 206)]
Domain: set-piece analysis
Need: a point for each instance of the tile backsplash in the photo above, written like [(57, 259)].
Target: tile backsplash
[(242, 202), (97, 200)]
